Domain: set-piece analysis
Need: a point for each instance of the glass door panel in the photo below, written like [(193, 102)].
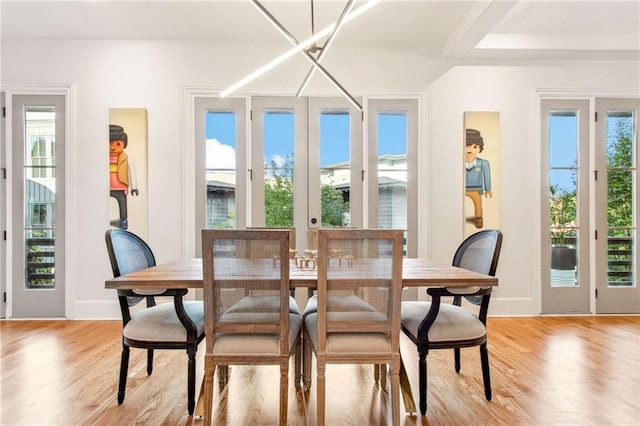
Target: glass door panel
[(617, 213), (621, 198), (335, 167), (565, 278), (392, 160), (563, 212), (221, 169), (278, 167), (38, 206)]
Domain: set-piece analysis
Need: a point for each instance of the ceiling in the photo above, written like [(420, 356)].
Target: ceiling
[(504, 30)]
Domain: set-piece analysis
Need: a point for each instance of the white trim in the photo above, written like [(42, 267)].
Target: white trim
[(66, 90)]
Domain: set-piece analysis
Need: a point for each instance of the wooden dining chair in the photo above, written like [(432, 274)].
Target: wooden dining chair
[(336, 333), (248, 319), (435, 325), (176, 325)]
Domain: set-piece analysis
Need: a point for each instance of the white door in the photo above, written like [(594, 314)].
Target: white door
[(304, 162), (590, 206), (565, 207), (3, 209), (617, 206), (37, 206)]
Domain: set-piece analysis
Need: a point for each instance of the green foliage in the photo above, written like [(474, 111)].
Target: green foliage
[(619, 177), (278, 198), (333, 206), (562, 215)]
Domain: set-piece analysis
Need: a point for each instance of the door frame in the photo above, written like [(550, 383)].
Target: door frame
[(67, 91)]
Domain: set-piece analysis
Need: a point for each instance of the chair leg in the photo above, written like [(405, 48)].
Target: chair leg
[(486, 376), (383, 376), (191, 382), (298, 364), (320, 397), (395, 389), (149, 361), (284, 391), (223, 376), (456, 358), (124, 368), (209, 369), (306, 364), (422, 380)]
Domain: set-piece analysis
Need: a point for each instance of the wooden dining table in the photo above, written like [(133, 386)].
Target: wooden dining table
[(416, 272)]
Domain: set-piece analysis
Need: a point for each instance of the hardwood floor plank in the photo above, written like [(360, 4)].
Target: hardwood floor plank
[(544, 370)]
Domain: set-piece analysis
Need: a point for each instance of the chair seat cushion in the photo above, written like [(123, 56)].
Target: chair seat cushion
[(348, 343), (160, 323), (453, 323), (256, 344), (339, 303), (262, 303)]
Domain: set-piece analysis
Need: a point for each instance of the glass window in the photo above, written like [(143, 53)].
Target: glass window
[(221, 169), (563, 202), (335, 167), (278, 167), (621, 198)]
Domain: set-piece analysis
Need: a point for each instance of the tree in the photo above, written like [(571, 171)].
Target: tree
[(278, 197), (278, 194), (619, 177)]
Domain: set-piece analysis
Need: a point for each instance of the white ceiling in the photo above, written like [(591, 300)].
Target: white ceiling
[(505, 30)]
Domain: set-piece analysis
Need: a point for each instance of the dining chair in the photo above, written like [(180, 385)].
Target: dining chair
[(435, 325), (171, 325), (248, 318), (335, 332)]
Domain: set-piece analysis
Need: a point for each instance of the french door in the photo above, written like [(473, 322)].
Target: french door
[(590, 206), (37, 206), (618, 206), (304, 163)]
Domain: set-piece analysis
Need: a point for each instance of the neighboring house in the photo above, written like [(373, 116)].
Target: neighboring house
[(392, 192)]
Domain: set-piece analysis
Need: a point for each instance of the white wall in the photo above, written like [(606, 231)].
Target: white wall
[(152, 75), (512, 91)]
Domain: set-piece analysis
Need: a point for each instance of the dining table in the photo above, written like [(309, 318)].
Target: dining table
[(416, 272)]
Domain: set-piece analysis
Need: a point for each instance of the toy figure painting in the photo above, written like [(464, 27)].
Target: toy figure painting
[(481, 167), (128, 169)]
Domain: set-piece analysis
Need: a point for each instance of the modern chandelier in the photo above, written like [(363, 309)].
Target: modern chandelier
[(307, 48)]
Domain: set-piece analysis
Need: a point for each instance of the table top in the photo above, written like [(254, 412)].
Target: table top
[(187, 273)]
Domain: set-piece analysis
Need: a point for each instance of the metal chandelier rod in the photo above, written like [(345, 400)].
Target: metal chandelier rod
[(309, 56), (299, 47)]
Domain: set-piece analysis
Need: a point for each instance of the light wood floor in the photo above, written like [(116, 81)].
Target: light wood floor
[(544, 371)]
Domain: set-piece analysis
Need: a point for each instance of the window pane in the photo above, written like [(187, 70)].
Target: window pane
[(40, 197), (278, 167), (621, 199), (221, 169), (335, 167), (392, 170), (563, 200), (563, 139)]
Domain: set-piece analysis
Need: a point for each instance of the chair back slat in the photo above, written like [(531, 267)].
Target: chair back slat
[(246, 282), (362, 265)]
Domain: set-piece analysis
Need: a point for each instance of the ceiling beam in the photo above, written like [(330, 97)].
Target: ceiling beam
[(476, 24)]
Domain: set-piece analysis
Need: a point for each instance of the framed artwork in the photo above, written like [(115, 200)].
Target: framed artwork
[(481, 170), (128, 169)]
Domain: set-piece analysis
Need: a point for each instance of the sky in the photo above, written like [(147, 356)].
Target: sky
[(278, 137), (220, 130)]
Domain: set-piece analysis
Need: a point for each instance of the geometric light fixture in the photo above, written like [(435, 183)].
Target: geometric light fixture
[(304, 48), (327, 43)]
